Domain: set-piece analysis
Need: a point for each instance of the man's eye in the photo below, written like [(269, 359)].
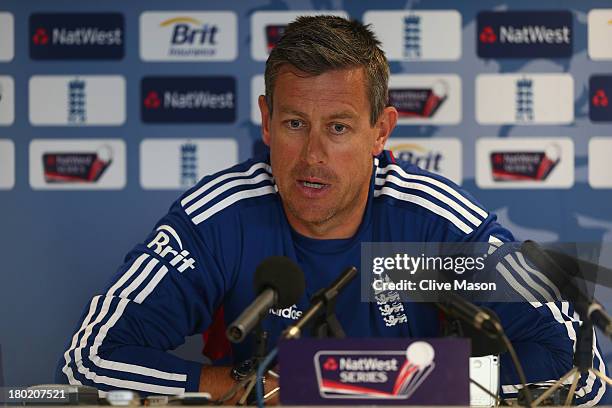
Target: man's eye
[(294, 124), (338, 128)]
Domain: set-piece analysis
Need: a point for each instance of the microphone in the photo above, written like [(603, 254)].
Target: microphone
[(482, 320), (585, 305), (319, 301), (279, 283)]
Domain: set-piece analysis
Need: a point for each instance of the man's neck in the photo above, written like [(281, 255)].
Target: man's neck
[(339, 226)]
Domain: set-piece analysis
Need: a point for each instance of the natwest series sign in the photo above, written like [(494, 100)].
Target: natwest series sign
[(96, 36), (525, 34), (375, 371)]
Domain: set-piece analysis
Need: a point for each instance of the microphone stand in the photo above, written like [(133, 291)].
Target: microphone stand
[(322, 312), (259, 354), (327, 324)]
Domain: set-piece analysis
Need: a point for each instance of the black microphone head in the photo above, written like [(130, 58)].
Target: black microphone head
[(283, 276)]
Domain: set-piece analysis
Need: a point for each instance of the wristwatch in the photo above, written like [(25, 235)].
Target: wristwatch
[(242, 370), (245, 373)]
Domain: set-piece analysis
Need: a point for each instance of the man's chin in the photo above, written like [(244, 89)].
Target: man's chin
[(311, 215)]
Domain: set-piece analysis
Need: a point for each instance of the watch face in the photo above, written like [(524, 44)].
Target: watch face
[(242, 370)]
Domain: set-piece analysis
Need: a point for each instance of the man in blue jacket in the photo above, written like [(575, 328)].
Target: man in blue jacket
[(327, 186)]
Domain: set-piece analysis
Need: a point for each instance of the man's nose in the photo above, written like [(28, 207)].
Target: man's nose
[(314, 150)]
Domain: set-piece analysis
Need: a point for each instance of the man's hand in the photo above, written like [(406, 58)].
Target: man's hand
[(217, 381)]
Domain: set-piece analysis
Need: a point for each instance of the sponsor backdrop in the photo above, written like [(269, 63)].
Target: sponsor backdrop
[(108, 112)]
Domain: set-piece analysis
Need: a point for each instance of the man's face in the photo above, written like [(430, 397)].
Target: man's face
[(321, 146)]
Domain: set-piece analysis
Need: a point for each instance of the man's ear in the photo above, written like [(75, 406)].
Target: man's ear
[(385, 125), (265, 119)]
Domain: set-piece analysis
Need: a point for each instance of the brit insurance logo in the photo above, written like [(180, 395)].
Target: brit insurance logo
[(7, 100), (7, 37), (7, 164), (525, 34), (427, 35), (188, 99), (524, 99), (186, 161), (88, 36), (267, 27), (79, 164), (188, 36), (525, 163), (374, 374), (423, 99), (600, 98), (600, 34), (168, 245), (88, 100), (439, 155)]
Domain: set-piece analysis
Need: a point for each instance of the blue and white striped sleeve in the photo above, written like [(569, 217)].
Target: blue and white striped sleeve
[(168, 288), (542, 329)]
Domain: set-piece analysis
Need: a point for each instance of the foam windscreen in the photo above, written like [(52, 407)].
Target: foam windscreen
[(282, 275)]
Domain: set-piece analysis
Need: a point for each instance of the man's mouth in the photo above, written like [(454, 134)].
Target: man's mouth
[(313, 185)]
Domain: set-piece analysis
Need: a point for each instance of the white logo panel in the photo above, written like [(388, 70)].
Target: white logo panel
[(426, 99), (179, 163), (527, 99), (188, 36), (77, 164), (267, 26), (7, 37), (85, 100), (600, 34), (439, 155), (600, 165), (418, 35), (258, 87), (7, 101), (530, 163), (7, 164)]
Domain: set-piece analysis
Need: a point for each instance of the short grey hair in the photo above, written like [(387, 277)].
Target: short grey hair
[(318, 44)]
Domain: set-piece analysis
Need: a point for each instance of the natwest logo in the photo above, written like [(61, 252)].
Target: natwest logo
[(188, 36), (188, 99), (522, 34), (76, 36), (40, 37), (487, 35), (79, 36), (600, 92), (198, 100), (526, 35), (152, 100)]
